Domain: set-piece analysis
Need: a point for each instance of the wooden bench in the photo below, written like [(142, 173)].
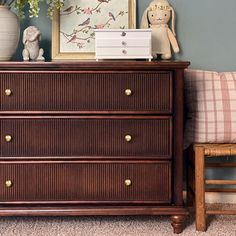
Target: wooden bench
[(196, 178)]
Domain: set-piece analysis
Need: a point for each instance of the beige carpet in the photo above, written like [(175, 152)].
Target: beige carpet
[(110, 226)]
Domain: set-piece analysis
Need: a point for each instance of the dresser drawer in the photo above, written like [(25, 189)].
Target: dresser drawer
[(110, 137), (80, 182), (118, 92)]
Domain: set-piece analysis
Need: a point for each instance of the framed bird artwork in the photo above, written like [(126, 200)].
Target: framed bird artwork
[(73, 26)]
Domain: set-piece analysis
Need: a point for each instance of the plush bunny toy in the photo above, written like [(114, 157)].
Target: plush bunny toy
[(157, 16)]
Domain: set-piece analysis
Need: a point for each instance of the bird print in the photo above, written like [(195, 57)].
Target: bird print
[(69, 9), (88, 11), (73, 38), (85, 22), (112, 16)]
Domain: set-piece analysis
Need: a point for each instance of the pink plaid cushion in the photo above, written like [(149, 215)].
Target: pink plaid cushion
[(211, 105)]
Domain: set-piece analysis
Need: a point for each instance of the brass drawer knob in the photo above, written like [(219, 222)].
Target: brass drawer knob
[(128, 92), (8, 92), (128, 182), (8, 138), (128, 138), (8, 183)]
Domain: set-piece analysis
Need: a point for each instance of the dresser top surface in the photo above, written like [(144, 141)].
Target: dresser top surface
[(93, 65)]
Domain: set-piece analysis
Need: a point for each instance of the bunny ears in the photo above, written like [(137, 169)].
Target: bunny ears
[(156, 5)]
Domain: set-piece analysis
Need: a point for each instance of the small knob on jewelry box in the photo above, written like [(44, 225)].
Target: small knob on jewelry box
[(123, 34)]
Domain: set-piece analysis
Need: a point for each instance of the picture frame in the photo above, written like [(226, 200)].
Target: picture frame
[(72, 27)]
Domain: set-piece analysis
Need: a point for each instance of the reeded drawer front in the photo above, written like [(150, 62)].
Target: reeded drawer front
[(89, 137), (81, 92), (85, 182)]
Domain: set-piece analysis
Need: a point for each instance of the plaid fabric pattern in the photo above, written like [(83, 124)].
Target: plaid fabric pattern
[(211, 106)]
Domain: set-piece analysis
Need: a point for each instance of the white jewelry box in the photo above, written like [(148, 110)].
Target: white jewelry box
[(123, 44)]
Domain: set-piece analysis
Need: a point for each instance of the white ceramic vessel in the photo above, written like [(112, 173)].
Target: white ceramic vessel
[(123, 44), (9, 33)]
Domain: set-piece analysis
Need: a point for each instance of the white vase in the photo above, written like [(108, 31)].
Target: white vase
[(9, 33)]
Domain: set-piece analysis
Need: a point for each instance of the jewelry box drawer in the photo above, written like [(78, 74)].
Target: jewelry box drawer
[(123, 33), (85, 182), (119, 92), (124, 52), (106, 43), (86, 137)]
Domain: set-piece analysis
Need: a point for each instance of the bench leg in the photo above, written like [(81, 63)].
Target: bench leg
[(200, 189)]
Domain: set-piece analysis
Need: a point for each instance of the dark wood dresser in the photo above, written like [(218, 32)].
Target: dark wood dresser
[(92, 138)]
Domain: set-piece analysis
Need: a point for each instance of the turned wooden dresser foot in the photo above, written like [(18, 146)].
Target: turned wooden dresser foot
[(177, 223)]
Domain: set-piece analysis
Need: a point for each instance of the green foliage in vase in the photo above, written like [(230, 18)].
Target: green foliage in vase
[(33, 6)]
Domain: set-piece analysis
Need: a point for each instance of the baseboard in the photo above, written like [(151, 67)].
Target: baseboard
[(212, 197)]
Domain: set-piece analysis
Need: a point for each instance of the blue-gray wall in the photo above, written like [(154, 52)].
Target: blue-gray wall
[(206, 31)]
